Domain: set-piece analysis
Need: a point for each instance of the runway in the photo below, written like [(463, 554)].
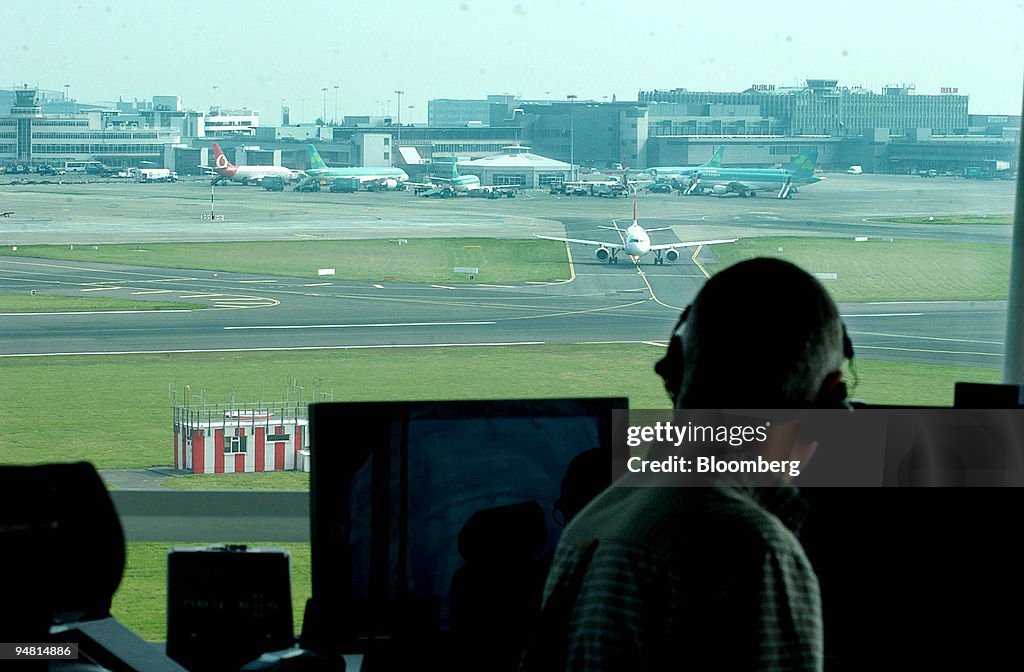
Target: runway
[(603, 303)]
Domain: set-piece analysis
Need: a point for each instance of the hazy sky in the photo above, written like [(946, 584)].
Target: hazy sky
[(258, 53)]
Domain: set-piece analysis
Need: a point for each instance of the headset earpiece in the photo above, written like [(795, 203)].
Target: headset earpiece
[(670, 367)]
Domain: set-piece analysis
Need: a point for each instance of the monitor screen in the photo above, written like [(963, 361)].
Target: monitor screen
[(394, 485)]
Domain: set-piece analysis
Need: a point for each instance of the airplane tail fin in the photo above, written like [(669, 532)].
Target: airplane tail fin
[(802, 164), (716, 159), (219, 160), (315, 161)]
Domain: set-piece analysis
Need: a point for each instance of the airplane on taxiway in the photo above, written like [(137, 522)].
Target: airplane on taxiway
[(636, 242), (225, 170)]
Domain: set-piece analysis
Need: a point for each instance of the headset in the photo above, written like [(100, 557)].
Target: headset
[(670, 367)]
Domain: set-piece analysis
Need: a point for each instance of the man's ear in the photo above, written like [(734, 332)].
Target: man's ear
[(832, 393)]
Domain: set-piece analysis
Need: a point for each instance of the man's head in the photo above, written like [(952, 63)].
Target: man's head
[(760, 334)]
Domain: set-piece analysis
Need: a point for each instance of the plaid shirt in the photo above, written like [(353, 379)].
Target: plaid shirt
[(681, 578)]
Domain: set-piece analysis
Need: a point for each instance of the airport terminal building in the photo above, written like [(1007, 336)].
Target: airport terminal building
[(896, 131)]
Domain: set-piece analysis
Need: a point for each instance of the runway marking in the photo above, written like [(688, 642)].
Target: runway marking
[(256, 282), (281, 349), (319, 284), (693, 258), (356, 326), (883, 315), (654, 343), (199, 296), (154, 291), (441, 287), (926, 338), (99, 289), (378, 286), (497, 286), (936, 352)]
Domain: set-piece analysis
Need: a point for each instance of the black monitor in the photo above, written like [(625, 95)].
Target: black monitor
[(393, 485)]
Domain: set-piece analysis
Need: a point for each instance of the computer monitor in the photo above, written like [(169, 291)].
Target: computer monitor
[(393, 484)]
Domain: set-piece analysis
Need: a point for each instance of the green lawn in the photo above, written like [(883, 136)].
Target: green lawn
[(951, 219), (115, 411), (874, 270), (50, 303), (880, 270), (416, 260)]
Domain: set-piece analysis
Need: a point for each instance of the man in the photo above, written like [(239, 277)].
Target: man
[(706, 578)]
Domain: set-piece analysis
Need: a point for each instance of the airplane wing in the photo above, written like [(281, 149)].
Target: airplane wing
[(598, 243), (693, 243)]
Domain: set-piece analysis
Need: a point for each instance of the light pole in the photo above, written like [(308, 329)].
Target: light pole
[(323, 117), (335, 104), (66, 87), (572, 140), (399, 94)]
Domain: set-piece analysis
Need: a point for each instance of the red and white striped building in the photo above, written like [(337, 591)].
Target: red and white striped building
[(223, 440)]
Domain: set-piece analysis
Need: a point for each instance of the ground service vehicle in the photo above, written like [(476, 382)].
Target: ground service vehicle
[(273, 183), (345, 185)]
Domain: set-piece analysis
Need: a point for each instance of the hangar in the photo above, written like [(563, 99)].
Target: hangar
[(517, 165)]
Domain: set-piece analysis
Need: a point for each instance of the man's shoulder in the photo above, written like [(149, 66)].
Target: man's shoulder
[(674, 520)]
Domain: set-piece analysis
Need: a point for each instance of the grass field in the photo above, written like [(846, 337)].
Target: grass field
[(880, 270), (874, 270), (950, 219), (85, 400), (416, 260), (50, 303)]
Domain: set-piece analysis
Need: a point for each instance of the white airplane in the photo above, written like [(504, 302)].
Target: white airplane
[(636, 242), (225, 170)]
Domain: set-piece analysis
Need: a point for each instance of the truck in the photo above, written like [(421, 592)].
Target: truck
[(273, 183), (157, 175), (855, 170), (345, 185)]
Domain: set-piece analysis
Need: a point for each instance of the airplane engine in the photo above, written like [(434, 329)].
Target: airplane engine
[(603, 254), (719, 190), (671, 254), (389, 184)]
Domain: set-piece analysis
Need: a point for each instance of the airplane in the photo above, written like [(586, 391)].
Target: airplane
[(372, 177), (7, 214), (678, 172), (225, 170), (749, 181), (636, 242), (463, 184)]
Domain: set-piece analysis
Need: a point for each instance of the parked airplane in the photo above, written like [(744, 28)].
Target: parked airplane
[(678, 172), (447, 187), (225, 170), (375, 177), (749, 181), (636, 242)]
